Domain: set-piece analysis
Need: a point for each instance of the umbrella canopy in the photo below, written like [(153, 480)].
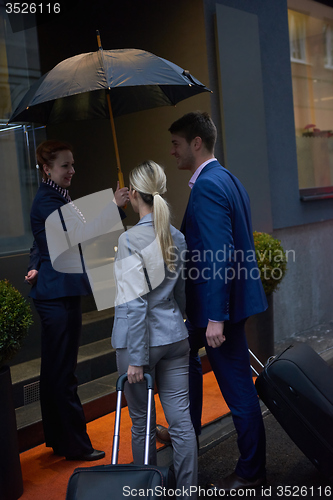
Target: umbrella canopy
[(105, 84), (77, 88)]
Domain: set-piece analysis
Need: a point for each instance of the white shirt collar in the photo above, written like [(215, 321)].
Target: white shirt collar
[(198, 172)]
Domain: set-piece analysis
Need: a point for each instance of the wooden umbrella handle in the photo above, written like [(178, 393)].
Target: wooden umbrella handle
[(120, 174), (113, 128)]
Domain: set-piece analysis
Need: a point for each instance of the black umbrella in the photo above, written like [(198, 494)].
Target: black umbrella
[(84, 86)]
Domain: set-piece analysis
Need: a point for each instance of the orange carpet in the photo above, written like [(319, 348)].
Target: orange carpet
[(45, 475)]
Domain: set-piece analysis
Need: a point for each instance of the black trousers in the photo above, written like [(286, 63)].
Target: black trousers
[(62, 413)]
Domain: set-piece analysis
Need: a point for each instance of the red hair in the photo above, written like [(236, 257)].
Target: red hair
[(48, 151)]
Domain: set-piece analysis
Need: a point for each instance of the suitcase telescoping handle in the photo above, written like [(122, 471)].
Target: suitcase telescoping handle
[(258, 361), (120, 388)]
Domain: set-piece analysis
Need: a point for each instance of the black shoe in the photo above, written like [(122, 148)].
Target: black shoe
[(235, 482), (89, 457)]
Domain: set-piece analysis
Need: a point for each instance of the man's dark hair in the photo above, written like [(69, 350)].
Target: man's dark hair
[(196, 124)]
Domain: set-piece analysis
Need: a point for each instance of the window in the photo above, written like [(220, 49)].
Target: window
[(328, 34), (311, 54), (20, 180), (19, 67), (297, 32)]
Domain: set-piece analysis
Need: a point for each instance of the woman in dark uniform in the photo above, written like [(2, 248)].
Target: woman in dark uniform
[(57, 298)]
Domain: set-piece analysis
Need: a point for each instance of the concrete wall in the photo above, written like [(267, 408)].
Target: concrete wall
[(243, 108), (304, 298)]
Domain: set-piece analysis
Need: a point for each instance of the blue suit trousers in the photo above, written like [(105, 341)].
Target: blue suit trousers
[(231, 366)]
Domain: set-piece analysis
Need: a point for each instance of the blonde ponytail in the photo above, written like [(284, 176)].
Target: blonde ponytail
[(149, 180)]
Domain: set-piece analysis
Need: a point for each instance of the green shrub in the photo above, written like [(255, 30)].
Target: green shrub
[(272, 261), (15, 320)]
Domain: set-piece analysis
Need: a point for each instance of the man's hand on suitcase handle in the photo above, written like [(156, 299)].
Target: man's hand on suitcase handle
[(134, 374)]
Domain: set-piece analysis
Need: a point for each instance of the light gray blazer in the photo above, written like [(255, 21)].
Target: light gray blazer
[(150, 301)]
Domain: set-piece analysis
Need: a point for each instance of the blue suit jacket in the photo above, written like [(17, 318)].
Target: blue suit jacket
[(223, 281), (50, 284)]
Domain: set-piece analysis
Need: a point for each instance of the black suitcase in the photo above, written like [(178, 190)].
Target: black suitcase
[(106, 482), (297, 387)]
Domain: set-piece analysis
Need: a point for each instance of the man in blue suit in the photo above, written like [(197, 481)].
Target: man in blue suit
[(223, 289)]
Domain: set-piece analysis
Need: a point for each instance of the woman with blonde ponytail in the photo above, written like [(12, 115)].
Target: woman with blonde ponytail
[(149, 334), (150, 181)]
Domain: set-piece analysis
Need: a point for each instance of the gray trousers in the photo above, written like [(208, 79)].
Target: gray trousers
[(169, 367)]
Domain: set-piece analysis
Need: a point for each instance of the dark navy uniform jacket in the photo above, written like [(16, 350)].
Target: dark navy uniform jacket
[(50, 284)]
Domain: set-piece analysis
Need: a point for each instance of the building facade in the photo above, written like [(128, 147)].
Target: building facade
[(270, 67)]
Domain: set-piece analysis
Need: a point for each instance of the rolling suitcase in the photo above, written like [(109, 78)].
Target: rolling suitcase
[(297, 387), (115, 481)]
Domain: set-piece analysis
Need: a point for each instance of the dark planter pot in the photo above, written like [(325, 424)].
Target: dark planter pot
[(11, 483), (260, 334)]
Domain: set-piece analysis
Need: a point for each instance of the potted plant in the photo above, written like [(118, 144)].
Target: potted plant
[(15, 320), (272, 263)]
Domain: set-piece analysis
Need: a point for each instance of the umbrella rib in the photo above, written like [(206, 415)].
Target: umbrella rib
[(71, 85), (101, 57)]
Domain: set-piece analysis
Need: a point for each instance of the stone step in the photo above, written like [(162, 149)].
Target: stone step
[(98, 398), (95, 360), (96, 325)]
